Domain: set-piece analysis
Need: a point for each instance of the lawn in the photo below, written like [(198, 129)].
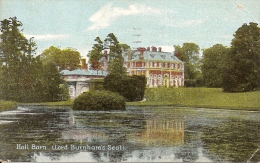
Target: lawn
[(201, 97), (191, 97)]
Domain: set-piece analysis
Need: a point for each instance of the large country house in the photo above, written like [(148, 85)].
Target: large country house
[(162, 69)]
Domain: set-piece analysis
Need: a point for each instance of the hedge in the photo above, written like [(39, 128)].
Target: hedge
[(99, 100), (132, 88)]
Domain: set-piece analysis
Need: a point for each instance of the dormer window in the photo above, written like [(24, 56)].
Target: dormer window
[(163, 56), (152, 55)]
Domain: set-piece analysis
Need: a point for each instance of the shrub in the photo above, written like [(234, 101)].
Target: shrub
[(132, 88), (99, 100)]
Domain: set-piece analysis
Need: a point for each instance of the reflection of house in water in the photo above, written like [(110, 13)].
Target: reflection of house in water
[(163, 132), (88, 136)]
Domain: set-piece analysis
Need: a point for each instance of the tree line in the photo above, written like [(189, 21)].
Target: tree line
[(235, 68), (24, 76)]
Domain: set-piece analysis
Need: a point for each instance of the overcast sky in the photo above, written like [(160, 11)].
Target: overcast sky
[(138, 23)]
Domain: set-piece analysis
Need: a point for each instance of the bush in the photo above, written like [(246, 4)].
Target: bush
[(132, 88), (99, 100)]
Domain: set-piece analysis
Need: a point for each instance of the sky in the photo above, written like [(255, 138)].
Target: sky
[(138, 23)]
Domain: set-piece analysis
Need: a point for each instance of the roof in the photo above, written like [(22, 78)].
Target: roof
[(153, 56), (84, 72)]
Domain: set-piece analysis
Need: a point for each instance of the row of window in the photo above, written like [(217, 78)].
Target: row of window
[(157, 65)]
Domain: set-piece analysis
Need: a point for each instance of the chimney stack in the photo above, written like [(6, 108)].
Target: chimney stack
[(141, 50), (159, 49), (154, 49), (148, 48), (84, 64), (105, 60)]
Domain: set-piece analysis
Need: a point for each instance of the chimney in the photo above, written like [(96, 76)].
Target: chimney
[(84, 64), (129, 55), (141, 50), (105, 60), (154, 49), (105, 55), (148, 48), (159, 49)]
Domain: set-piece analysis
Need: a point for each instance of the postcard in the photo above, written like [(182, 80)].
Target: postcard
[(129, 81)]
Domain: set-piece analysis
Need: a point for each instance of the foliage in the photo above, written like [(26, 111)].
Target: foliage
[(64, 95), (99, 100), (116, 60), (189, 54), (96, 84), (242, 66), (212, 67), (130, 87), (52, 80), (23, 76), (7, 105), (19, 68), (96, 54), (63, 58)]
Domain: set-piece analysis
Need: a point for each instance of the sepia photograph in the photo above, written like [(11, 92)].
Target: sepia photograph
[(130, 81)]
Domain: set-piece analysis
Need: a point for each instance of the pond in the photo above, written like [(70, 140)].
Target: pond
[(139, 134)]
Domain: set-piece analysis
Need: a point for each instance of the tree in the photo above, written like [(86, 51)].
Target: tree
[(242, 66), (52, 83), (212, 65), (189, 54), (23, 77), (18, 65), (63, 58), (116, 60), (96, 54)]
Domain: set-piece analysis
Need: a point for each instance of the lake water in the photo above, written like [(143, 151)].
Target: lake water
[(139, 134)]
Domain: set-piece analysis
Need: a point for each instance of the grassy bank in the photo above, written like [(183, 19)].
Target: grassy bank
[(59, 103), (7, 105), (190, 97), (201, 97)]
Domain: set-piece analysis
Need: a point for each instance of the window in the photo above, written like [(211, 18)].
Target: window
[(160, 79), (72, 91), (150, 79), (155, 80)]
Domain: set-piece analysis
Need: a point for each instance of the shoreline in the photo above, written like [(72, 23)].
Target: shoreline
[(128, 104)]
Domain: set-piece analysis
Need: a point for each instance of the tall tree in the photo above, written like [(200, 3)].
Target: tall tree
[(96, 54), (52, 82), (242, 67), (63, 58), (114, 48), (17, 62), (116, 60), (212, 65), (189, 54)]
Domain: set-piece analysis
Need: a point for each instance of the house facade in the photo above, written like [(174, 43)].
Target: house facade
[(162, 69)]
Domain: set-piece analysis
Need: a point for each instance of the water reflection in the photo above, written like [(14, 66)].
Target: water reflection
[(136, 135), (162, 133)]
